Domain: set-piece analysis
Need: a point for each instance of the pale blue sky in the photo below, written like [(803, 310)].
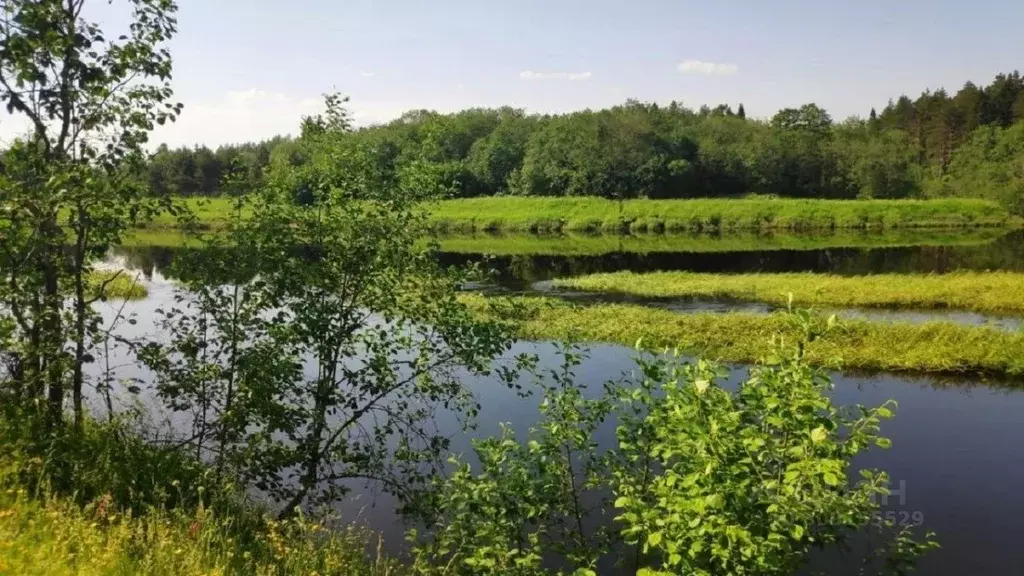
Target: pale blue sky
[(248, 69)]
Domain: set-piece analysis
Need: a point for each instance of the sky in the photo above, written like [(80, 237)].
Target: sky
[(250, 69)]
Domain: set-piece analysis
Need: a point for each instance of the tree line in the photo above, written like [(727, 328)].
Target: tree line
[(936, 145)]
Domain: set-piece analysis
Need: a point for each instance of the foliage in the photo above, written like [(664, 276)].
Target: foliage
[(989, 165), (529, 501), (317, 336), (997, 292), (69, 189), (704, 480), (200, 171), (646, 150)]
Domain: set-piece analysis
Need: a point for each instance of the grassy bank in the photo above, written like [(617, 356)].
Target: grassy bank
[(598, 215), (108, 503), (56, 537), (993, 292), (519, 214), (939, 348)]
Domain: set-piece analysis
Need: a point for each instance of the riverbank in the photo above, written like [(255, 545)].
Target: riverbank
[(991, 292), (933, 348), (593, 215)]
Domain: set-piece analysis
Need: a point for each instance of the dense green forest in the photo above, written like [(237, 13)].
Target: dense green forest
[(967, 144)]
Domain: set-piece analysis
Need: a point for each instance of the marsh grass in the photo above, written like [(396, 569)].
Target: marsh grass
[(708, 215), (937, 347), (116, 285), (531, 214), (992, 292)]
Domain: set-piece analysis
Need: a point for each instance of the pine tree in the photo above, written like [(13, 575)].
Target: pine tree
[(741, 112)]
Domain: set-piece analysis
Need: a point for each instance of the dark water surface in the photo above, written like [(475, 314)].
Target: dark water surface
[(956, 462), (1005, 252)]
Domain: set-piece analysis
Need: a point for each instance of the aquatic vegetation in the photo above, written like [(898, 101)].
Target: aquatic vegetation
[(116, 285), (708, 215), (936, 347), (996, 292), (588, 214)]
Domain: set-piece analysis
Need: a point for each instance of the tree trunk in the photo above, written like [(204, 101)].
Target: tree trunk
[(52, 332)]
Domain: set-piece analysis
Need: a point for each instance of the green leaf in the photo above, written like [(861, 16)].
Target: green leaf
[(831, 479)]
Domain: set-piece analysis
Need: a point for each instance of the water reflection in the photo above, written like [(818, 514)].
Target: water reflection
[(520, 271)]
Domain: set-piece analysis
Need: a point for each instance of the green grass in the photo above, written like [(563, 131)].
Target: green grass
[(994, 292), (56, 537), (518, 214), (599, 215), (592, 245), (104, 501), (123, 286), (937, 348)]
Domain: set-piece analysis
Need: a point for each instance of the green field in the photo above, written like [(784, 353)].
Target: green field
[(995, 292), (936, 348), (517, 214)]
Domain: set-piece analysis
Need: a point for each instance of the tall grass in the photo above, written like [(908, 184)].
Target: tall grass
[(937, 347), (106, 502), (995, 292), (519, 214), (116, 285), (56, 537), (708, 215)]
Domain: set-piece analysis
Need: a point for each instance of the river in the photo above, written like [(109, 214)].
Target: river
[(955, 462)]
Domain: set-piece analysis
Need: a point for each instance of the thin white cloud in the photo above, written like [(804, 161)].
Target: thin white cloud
[(241, 116), (708, 68), (531, 75), (367, 74)]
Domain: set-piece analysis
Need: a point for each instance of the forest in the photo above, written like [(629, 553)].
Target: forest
[(968, 144)]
